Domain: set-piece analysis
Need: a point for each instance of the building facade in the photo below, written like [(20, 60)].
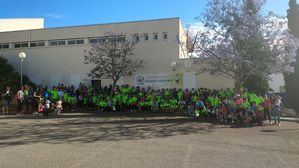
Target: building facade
[(56, 55), (21, 24)]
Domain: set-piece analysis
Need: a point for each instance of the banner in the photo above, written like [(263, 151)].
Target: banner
[(166, 80)]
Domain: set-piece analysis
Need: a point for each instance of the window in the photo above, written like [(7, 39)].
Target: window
[(24, 45), (156, 36), (53, 43), (112, 39), (146, 37), (21, 45), (102, 39), (136, 36), (121, 38), (42, 43), (80, 41), (5, 46), (33, 44), (71, 42), (17, 45), (93, 41), (61, 42), (37, 44), (165, 35)]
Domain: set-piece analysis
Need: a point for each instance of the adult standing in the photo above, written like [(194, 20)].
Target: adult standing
[(7, 98), (30, 100), (20, 100), (267, 108), (26, 100), (277, 110)]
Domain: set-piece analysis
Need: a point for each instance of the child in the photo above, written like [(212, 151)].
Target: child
[(223, 113), (41, 107), (59, 107), (191, 109), (47, 108), (182, 104), (200, 107)]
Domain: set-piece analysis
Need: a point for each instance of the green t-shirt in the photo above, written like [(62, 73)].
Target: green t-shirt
[(180, 95), (55, 94)]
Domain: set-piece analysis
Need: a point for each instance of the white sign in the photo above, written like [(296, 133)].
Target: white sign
[(158, 81), (153, 80)]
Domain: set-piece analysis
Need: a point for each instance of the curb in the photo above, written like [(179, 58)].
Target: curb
[(289, 119)]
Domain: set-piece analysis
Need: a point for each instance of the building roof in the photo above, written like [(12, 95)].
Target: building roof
[(137, 21)]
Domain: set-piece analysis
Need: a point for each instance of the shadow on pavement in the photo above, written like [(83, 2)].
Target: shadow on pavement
[(89, 114), (92, 128), (280, 130)]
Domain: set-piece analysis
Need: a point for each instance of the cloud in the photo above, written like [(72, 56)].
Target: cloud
[(56, 15), (195, 27)]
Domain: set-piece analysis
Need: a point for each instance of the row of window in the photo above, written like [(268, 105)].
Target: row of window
[(145, 37), (4, 46), (107, 38), (32, 44), (66, 42)]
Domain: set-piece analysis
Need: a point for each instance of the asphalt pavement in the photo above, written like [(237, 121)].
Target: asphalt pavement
[(90, 141)]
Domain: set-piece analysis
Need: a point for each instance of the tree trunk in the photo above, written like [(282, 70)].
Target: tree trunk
[(238, 85), (113, 86)]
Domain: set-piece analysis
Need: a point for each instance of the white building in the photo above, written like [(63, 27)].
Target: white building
[(55, 55), (21, 24)]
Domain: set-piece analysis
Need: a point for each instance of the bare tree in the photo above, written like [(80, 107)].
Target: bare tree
[(113, 57)]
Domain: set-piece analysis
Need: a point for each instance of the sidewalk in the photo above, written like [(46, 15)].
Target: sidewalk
[(288, 119)]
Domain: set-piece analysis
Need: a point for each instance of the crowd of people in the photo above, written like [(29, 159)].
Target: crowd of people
[(225, 105)]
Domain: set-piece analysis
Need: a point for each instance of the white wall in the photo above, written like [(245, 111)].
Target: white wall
[(277, 82), (21, 24), (65, 64)]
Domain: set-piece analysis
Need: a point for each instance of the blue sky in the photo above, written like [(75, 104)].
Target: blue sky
[(58, 13)]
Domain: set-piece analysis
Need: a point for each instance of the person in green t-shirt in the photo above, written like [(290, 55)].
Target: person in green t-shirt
[(54, 95)]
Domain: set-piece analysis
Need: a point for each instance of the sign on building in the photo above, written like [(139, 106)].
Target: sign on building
[(165, 80)]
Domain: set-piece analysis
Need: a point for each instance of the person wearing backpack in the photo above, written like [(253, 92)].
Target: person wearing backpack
[(7, 98)]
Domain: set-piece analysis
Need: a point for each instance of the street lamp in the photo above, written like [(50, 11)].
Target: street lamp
[(22, 56), (173, 65)]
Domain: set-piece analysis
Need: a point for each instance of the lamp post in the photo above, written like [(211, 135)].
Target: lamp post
[(173, 65), (22, 56), (174, 78)]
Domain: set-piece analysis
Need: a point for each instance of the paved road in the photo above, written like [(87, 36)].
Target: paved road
[(76, 141)]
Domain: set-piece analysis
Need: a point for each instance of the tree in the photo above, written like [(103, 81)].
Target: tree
[(292, 79), (114, 57), (8, 76), (292, 87), (257, 84), (278, 34), (232, 41)]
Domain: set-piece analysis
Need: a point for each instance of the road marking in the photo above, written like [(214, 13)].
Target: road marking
[(187, 158)]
